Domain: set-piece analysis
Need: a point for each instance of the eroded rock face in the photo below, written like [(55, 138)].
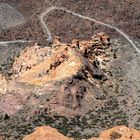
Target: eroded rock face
[(29, 57), (46, 133), (35, 66), (115, 133)]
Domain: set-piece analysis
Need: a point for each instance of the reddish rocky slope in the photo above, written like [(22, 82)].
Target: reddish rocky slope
[(116, 133)]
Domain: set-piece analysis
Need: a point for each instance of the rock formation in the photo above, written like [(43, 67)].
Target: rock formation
[(46, 133), (67, 79), (63, 61), (72, 69), (115, 133), (29, 57), (119, 133)]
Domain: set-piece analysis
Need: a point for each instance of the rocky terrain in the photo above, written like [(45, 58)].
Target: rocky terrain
[(70, 66), (73, 71), (116, 133), (73, 87)]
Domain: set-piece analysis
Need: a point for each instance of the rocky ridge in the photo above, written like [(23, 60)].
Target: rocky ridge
[(63, 74), (115, 133)]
